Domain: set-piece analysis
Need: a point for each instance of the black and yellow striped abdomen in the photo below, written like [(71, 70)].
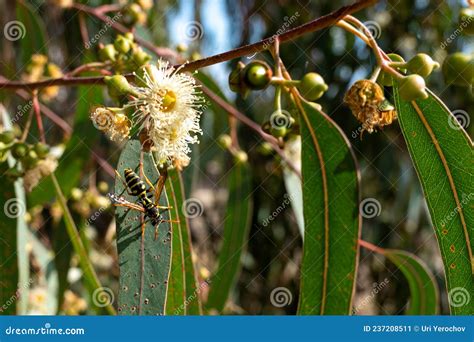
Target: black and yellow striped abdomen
[(137, 188), (135, 184)]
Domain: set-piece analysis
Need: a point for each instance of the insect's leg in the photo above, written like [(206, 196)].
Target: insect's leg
[(130, 206), (159, 189), (171, 221)]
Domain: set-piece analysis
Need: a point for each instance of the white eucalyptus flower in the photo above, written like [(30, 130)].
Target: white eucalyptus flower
[(168, 110)]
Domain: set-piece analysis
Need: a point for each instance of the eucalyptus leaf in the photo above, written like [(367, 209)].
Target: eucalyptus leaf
[(236, 228), (183, 292), (424, 296), (443, 155), (332, 220), (143, 260)]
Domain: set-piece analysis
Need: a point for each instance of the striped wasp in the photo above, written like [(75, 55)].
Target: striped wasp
[(136, 187)]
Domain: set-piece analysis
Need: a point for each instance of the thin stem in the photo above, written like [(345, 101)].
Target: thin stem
[(283, 82), (351, 29), (83, 30), (313, 26), (371, 247), (27, 127), (382, 58), (375, 73), (39, 121), (86, 67)]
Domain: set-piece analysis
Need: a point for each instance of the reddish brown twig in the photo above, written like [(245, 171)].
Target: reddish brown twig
[(312, 26), (39, 121)]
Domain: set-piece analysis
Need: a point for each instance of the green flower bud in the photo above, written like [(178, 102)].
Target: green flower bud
[(122, 44), (181, 47), (140, 57), (30, 160), (266, 126), (257, 75), (103, 187), (279, 132), (145, 4), (107, 53), (134, 14), (129, 36), (19, 150), (41, 150), (466, 20), (312, 86), (317, 106), (385, 79), (236, 80), (412, 87), (7, 137), (241, 157), (422, 64), (265, 148), (76, 194), (224, 141), (458, 69), (118, 85)]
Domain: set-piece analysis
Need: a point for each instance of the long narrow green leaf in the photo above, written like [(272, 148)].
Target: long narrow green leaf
[(236, 229), (424, 295), (144, 262), (90, 276), (12, 208), (62, 257), (22, 232), (30, 31), (183, 292), (443, 156), (332, 220)]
